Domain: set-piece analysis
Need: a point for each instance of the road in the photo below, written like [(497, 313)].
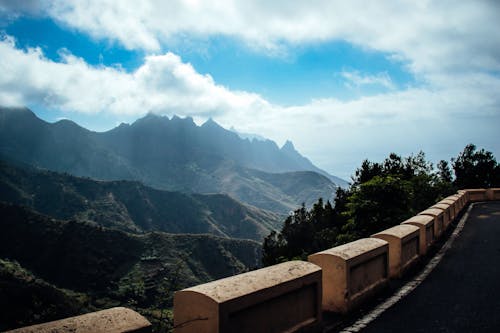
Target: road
[(462, 294)]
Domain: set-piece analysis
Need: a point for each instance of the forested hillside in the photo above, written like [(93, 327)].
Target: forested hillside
[(51, 268), (131, 206)]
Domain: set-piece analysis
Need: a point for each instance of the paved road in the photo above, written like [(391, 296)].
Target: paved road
[(462, 294)]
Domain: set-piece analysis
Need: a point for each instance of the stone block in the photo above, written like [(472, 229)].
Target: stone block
[(447, 215), (280, 298), (352, 272), (466, 197), (425, 223), (438, 215), (404, 247), (460, 204), (114, 320), (493, 194), (454, 206), (478, 194)]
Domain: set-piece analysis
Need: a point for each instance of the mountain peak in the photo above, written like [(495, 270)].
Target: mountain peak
[(288, 147), (183, 121), (210, 123), (150, 116)]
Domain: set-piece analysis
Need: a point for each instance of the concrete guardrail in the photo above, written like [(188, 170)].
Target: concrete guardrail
[(465, 195), (425, 223), (461, 199), (453, 204), (404, 247), (478, 194), (446, 208), (438, 216), (114, 320), (280, 298), (352, 272), (493, 193)]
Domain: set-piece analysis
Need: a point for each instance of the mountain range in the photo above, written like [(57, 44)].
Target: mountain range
[(91, 220), (170, 154), (131, 206)]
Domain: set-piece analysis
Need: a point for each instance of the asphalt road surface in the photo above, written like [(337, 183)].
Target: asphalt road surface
[(462, 294)]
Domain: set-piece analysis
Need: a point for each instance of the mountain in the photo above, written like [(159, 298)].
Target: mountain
[(170, 154), (131, 206), (53, 268)]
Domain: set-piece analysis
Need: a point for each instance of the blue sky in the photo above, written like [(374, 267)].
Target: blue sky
[(343, 81)]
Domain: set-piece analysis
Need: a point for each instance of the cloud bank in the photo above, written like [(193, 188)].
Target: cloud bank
[(162, 82)]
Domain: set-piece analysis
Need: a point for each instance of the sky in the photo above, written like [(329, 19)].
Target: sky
[(343, 80)]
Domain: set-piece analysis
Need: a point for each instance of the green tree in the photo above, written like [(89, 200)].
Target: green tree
[(377, 204), (476, 169)]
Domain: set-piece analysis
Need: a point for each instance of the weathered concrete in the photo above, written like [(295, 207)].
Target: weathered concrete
[(454, 207), (446, 208), (404, 247), (352, 272), (465, 195), (478, 194), (425, 223), (280, 298), (460, 204), (114, 320), (461, 294), (493, 194), (438, 219)]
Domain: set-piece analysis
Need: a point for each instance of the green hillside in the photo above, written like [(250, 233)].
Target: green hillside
[(131, 206), (100, 267)]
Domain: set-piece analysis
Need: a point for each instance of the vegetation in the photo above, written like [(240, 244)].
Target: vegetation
[(132, 207), (51, 269), (381, 195)]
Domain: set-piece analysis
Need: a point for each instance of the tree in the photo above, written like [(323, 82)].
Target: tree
[(377, 204), (476, 169), (444, 171), (272, 249)]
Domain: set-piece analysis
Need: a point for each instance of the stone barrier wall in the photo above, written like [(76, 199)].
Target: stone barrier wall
[(493, 194), (280, 298), (452, 202), (425, 223), (351, 272), (437, 214), (114, 320), (476, 195), (404, 247)]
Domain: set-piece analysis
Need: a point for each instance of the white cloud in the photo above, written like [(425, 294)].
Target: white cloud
[(357, 79), (429, 35), (162, 83)]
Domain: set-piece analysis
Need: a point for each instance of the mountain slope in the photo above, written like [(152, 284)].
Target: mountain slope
[(170, 154), (100, 267), (131, 206)]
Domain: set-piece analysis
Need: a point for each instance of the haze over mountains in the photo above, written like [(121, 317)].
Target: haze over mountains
[(132, 207), (125, 217), (170, 154)]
